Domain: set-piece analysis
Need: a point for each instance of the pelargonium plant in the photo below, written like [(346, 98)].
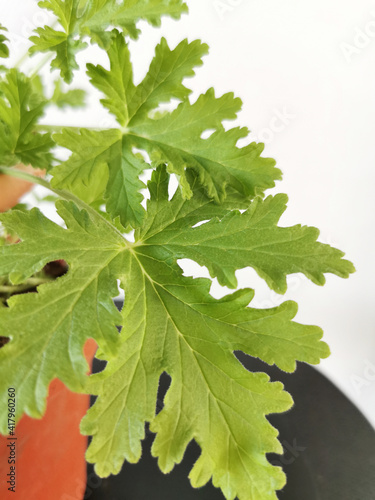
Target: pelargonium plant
[(219, 217)]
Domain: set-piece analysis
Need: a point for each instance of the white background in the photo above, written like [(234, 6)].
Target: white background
[(311, 62)]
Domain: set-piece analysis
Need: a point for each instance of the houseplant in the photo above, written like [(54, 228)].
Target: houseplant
[(170, 323), (65, 408)]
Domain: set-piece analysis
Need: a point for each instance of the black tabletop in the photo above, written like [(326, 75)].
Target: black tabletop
[(329, 450)]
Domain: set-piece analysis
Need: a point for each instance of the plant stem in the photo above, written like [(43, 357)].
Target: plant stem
[(61, 193), (42, 63), (30, 283), (22, 59)]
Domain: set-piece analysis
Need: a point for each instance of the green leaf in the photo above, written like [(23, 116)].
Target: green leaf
[(66, 48), (103, 164), (173, 325), (64, 43), (170, 324), (162, 83), (85, 173), (4, 49), (122, 194), (232, 240), (48, 329), (66, 12), (20, 110), (117, 84), (126, 14), (74, 98), (173, 139), (81, 19), (37, 86)]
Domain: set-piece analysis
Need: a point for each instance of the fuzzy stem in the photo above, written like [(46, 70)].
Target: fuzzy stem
[(41, 65), (22, 59), (30, 283), (61, 193)]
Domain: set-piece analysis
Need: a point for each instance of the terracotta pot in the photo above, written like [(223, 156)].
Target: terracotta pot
[(50, 452), (11, 188)]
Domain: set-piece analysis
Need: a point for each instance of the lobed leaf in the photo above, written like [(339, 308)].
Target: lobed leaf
[(126, 13), (74, 98), (174, 139), (91, 19), (20, 109), (48, 329), (117, 83), (108, 157), (170, 323), (4, 49), (232, 240), (103, 164), (163, 81)]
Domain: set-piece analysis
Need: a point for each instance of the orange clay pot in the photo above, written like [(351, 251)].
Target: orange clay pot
[(11, 188), (50, 452)]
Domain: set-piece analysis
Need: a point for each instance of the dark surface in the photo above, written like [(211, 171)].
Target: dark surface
[(329, 450)]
